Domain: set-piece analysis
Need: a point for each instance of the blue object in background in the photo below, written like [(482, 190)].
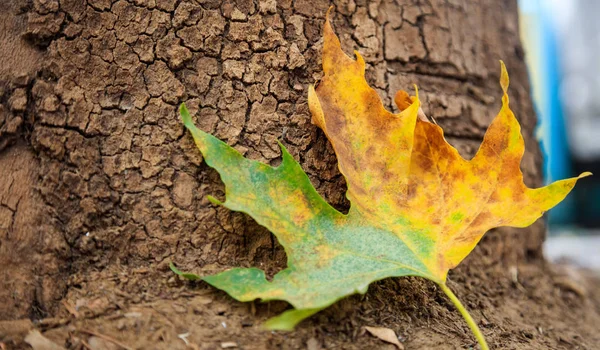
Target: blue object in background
[(542, 57)]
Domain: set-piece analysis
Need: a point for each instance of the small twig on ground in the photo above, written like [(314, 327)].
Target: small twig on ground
[(105, 337), (86, 345), (72, 310)]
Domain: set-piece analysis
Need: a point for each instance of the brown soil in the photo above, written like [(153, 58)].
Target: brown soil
[(101, 187)]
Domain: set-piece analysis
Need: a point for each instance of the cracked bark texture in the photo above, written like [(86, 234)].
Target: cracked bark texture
[(113, 187)]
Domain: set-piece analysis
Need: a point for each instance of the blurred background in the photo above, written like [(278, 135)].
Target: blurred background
[(562, 44)]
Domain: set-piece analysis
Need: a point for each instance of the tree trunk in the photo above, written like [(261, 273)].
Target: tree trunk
[(101, 186)]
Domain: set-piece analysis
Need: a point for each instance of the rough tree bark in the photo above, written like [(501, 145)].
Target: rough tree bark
[(101, 187)]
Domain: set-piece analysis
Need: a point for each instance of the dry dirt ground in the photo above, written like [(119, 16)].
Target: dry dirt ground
[(101, 187)]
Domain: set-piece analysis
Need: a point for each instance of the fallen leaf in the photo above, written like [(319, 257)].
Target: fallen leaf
[(184, 336), (313, 344), (97, 343), (386, 335), (39, 342), (417, 207)]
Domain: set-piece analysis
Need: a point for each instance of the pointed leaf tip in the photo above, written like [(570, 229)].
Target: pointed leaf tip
[(327, 26), (174, 269), (289, 319), (504, 81), (185, 114), (189, 276), (314, 106), (214, 201), (328, 12), (416, 91), (284, 152), (360, 60)]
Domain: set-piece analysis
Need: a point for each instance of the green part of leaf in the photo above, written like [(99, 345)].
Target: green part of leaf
[(330, 255), (213, 200), (189, 276), (289, 319)]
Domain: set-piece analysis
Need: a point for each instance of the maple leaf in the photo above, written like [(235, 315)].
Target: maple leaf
[(417, 207)]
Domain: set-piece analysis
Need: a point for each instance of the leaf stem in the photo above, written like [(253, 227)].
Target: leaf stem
[(466, 316)]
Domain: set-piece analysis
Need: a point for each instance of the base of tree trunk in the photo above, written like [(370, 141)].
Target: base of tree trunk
[(101, 188)]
